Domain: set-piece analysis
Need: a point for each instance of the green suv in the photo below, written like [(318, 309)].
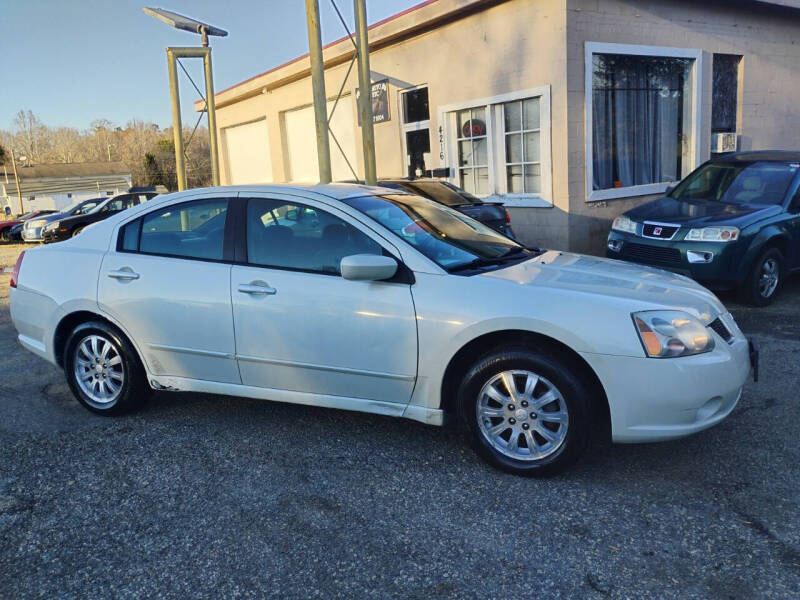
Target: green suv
[(732, 223)]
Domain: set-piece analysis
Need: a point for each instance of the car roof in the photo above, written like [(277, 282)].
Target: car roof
[(760, 155), (337, 191)]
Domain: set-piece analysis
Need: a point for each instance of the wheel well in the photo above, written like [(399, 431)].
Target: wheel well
[(781, 243), (68, 324), (465, 357)]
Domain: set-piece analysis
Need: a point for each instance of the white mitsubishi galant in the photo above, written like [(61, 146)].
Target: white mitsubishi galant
[(368, 299)]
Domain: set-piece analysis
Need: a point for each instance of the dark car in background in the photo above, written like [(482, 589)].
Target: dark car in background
[(7, 226), (82, 207), (732, 223), (492, 214), (64, 228)]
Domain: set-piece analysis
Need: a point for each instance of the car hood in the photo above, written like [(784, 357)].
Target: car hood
[(701, 213), (637, 285)]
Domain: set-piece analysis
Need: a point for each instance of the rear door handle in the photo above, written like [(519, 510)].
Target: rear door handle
[(125, 274), (257, 288)]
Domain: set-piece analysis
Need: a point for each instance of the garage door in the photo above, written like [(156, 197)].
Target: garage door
[(301, 142), (247, 153)]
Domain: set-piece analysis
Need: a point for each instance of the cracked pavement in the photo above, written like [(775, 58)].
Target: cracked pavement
[(213, 496)]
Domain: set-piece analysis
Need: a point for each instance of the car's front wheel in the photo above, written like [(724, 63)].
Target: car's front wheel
[(526, 410), (765, 279), (77, 231), (103, 370)]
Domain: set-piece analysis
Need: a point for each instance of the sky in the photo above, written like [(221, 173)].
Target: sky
[(73, 61)]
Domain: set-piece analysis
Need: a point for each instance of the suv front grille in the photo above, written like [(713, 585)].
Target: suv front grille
[(660, 232), (647, 253), (721, 329)]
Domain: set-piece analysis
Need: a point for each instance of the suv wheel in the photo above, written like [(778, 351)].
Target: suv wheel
[(527, 411), (765, 279), (103, 370)]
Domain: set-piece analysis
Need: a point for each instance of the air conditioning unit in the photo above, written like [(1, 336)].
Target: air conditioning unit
[(724, 142)]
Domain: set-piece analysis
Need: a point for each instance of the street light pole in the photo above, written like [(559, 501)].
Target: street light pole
[(212, 113), (16, 180), (318, 90), (365, 96), (177, 126)]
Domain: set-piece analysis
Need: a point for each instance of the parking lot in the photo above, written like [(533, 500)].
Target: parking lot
[(207, 496)]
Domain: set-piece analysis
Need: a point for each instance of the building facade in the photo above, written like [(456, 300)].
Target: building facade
[(56, 186), (568, 111)]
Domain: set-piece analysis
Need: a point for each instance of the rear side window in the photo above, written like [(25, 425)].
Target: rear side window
[(189, 230)]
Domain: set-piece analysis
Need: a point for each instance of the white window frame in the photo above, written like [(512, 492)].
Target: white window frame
[(413, 126), (496, 144), (696, 107)]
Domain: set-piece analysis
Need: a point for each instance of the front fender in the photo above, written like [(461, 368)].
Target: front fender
[(773, 234)]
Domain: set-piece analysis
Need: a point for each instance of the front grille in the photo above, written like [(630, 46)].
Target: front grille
[(659, 231), (718, 326), (647, 253)]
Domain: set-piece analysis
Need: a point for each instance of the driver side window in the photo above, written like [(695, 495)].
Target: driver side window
[(292, 236)]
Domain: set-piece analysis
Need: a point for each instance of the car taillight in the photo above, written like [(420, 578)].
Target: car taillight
[(508, 218), (15, 270)]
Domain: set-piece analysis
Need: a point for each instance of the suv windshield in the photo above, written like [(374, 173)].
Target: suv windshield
[(449, 238), (738, 183)]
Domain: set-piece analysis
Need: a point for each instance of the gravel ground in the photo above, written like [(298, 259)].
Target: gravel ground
[(206, 496)]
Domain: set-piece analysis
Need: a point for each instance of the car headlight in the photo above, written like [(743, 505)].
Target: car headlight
[(713, 234), (671, 333), (35, 224), (623, 223), (52, 226)]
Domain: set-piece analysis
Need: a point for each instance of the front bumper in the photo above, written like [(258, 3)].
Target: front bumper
[(723, 272), (654, 399)]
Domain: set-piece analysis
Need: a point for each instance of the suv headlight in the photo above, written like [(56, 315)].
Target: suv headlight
[(623, 223), (713, 234), (52, 226), (671, 333)]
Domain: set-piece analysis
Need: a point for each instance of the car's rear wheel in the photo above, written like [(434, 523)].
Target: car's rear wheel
[(4, 236), (526, 410), (103, 370), (765, 279)]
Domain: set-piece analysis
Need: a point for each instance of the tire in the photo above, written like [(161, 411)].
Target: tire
[(77, 231), (4, 236), (551, 375), (119, 384), (765, 278)]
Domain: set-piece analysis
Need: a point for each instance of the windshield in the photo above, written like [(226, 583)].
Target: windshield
[(738, 183), (446, 236), (86, 207), (441, 192)]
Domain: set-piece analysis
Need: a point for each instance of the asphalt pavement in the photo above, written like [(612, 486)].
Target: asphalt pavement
[(208, 496)]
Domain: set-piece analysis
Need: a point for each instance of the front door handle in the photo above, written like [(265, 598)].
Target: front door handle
[(257, 288), (124, 274)]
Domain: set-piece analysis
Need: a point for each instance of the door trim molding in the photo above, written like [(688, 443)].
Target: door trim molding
[(316, 367), (195, 351)]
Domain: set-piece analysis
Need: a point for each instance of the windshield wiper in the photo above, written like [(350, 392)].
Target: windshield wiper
[(511, 254)]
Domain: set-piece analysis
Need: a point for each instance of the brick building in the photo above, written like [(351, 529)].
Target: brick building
[(568, 111)]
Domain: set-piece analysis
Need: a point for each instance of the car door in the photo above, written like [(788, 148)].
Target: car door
[(299, 325), (168, 283)]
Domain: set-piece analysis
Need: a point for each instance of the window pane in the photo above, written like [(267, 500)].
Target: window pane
[(514, 148), (465, 153), (130, 236), (415, 105), (533, 179), (482, 181), (463, 116), (532, 146), (300, 237), (479, 151), (467, 182), (513, 116), (638, 103), (479, 114), (191, 230), (530, 111), (725, 90), (514, 179)]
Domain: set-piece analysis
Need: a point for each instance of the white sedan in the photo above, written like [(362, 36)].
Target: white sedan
[(368, 299)]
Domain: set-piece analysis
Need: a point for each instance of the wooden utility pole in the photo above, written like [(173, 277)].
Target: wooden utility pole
[(318, 90), (16, 180), (365, 97)]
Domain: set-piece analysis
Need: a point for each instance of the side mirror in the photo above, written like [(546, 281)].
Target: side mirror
[(368, 267)]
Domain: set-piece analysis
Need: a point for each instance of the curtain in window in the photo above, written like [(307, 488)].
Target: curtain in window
[(637, 119)]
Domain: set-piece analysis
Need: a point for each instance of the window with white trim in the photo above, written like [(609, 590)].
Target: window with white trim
[(500, 146), (642, 116)]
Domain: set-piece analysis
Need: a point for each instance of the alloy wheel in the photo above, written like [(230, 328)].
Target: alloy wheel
[(99, 370), (522, 415), (769, 278)]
